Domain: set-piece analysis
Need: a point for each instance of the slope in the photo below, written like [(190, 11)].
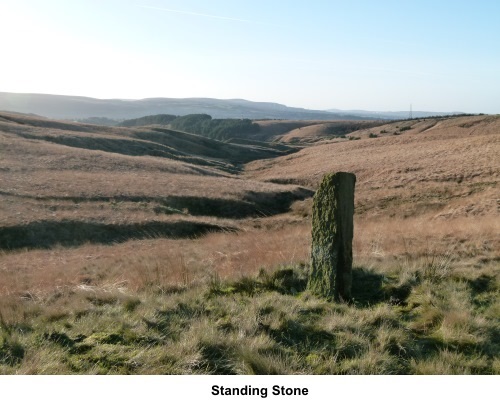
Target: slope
[(444, 167), (72, 183), (307, 131)]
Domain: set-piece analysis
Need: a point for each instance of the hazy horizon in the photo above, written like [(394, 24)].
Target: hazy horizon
[(319, 55), (229, 99)]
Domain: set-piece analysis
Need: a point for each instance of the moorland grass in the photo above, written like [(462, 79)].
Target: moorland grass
[(104, 288), (265, 324)]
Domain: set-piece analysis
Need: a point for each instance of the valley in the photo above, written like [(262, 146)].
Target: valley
[(148, 250)]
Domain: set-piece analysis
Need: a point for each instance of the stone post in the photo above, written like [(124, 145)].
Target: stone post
[(332, 233)]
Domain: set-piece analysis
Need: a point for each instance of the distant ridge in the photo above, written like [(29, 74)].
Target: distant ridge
[(393, 115), (78, 108), (104, 111)]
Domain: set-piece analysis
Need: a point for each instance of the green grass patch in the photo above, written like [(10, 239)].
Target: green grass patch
[(418, 320)]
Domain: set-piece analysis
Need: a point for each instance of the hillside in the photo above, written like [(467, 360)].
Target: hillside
[(446, 167), (159, 119), (393, 115), (71, 183), (152, 251), (307, 132), (283, 131)]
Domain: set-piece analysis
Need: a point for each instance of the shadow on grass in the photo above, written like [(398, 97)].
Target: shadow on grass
[(253, 204), (11, 352), (216, 359), (301, 336), (46, 234), (129, 147), (366, 287), (287, 281), (164, 143)]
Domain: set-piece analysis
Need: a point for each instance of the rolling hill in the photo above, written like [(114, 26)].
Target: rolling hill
[(58, 177), (439, 167), (393, 115), (446, 167), (74, 108), (146, 250)]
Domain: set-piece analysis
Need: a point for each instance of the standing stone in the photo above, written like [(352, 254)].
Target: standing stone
[(332, 232)]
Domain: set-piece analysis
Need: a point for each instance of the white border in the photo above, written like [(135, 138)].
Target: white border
[(345, 390)]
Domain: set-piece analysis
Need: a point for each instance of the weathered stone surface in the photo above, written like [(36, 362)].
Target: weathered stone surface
[(332, 233)]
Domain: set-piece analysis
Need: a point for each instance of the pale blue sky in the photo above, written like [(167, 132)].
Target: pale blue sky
[(376, 55)]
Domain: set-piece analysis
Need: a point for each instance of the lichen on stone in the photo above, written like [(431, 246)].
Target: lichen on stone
[(332, 233)]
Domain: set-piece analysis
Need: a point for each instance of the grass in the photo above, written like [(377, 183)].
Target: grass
[(114, 263), (397, 176), (267, 324), (191, 311)]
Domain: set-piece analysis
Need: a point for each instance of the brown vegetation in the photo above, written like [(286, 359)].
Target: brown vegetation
[(130, 263), (307, 132), (88, 179), (441, 169)]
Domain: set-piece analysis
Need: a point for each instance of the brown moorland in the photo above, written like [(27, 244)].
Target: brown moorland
[(308, 131), (61, 180), (148, 251), (442, 167)]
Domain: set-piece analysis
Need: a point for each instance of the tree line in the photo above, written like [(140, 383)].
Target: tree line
[(219, 129)]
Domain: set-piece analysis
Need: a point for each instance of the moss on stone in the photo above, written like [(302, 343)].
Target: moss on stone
[(332, 233)]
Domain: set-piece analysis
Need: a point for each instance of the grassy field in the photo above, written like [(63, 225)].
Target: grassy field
[(121, 263)]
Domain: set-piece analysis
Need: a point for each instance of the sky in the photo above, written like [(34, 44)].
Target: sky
[(381, 55)]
